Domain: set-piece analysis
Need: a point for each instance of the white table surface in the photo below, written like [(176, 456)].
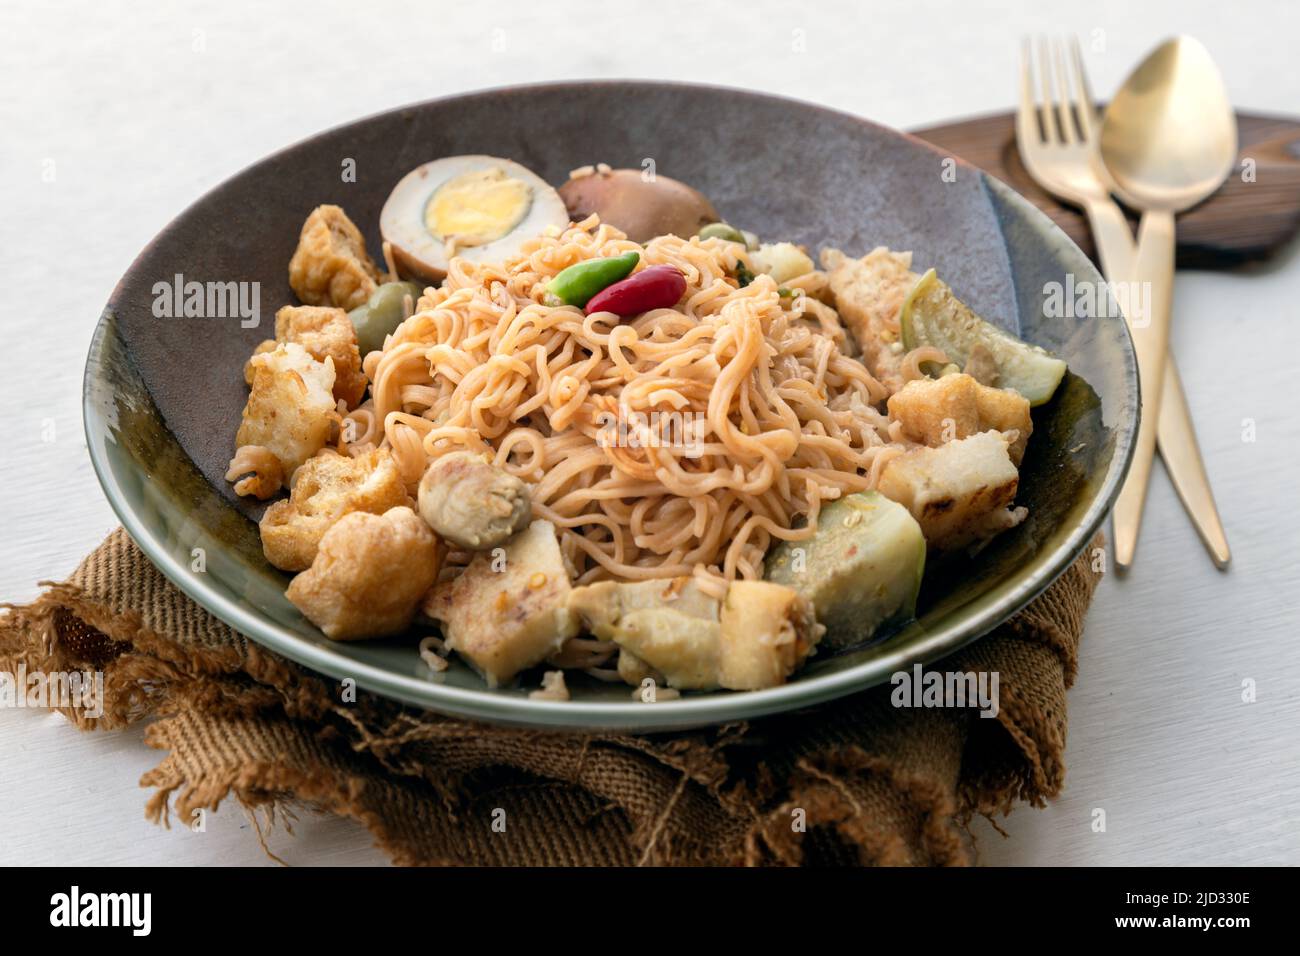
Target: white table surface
[(137, 112)]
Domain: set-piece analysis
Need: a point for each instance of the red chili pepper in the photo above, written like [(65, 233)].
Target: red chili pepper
[(658, 287)]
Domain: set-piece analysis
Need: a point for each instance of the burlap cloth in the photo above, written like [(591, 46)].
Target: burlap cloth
[(876, 784)]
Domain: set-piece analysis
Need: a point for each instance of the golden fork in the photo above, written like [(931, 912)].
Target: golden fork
[(1057, 140)]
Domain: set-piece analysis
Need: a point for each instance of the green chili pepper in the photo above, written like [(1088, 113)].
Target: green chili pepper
[(578, 283)]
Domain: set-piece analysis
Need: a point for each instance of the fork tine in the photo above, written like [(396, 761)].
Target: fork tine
[(1051, 128), (1068, 133), (1085, 106), (1028, 132)]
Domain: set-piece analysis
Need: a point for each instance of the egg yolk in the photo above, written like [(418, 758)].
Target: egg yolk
[(477, 207)]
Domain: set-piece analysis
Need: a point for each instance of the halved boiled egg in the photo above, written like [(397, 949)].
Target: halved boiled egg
[(480, 207)]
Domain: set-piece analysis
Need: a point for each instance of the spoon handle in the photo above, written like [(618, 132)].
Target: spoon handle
[(1182, 456), (1175, 436), (1150, 298)]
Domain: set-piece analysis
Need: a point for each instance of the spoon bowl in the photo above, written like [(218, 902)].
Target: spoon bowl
[(1169, 138)]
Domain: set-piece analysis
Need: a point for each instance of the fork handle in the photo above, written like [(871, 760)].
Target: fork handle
[(1153, 273), (1112, 237), (1175, 436)]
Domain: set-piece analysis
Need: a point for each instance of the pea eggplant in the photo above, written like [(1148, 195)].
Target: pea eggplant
[(382, 313)]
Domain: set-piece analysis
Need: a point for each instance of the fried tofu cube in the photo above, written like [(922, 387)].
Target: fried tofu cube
[(960, 492), (669, 629), (667, 624), (935, 411), (869, 294), (768, 630), (634, 671), (266, 345), (331, 265), (291, 406), (507, 611), (322, 491), (324, 331), (369, 575)]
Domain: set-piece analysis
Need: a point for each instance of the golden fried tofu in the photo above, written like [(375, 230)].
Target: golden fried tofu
[(369, 575), (934, 411), (331, 265), (322, 491), (671, 630), (507, 611), (960, 492), (869, 294), (472, 503), (632, 670), (266, 345), (767, 632), (291, 406), (668, 625), (324, 331)]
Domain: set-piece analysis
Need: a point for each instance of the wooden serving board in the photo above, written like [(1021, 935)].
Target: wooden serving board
[(1243, 221)]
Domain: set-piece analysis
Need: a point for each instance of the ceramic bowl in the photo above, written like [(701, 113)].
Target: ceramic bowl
[(163, 395)]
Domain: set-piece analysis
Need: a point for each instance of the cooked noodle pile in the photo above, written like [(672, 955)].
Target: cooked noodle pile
[(761, 415)]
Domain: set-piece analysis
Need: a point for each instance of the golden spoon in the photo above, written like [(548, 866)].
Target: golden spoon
[(1169, 140)]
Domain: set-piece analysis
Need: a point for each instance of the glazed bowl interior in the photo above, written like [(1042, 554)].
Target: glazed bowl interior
[(163, 395)]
